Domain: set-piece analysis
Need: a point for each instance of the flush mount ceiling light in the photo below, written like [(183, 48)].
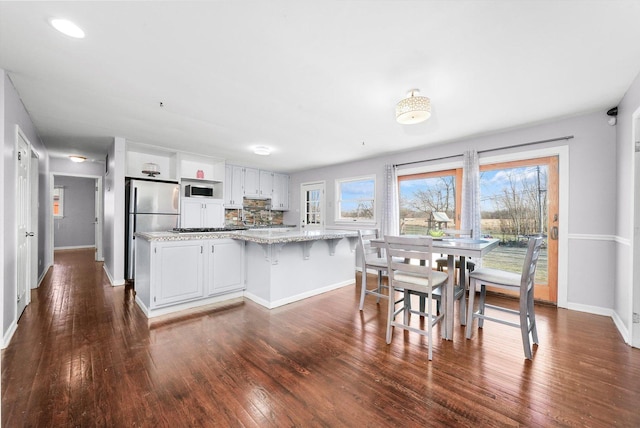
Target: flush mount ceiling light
[(76, 158), (413, 109), (67, 27), (262, 150)]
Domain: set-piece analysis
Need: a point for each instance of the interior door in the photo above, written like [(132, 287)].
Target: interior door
[(312, 211), (23, 220)]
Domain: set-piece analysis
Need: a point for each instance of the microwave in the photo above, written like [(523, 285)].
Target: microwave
[(198, 191)]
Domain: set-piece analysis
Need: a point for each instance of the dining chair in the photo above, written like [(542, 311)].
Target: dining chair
[(371, 259), (417, 278), (523, 283)]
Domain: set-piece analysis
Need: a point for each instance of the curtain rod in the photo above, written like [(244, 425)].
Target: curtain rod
[(567, 137)]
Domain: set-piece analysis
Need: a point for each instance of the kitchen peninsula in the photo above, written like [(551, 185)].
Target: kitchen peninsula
[(273, 267)]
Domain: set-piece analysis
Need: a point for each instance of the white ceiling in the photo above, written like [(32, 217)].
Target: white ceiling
[(314, 80)]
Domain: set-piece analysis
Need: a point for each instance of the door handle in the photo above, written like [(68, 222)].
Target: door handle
[(27, 234), (554, 233)]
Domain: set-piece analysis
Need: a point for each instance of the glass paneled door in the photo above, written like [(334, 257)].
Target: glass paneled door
[(312, 209), (519, 199)]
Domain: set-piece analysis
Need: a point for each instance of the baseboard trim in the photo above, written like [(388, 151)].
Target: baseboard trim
[(110, 278), (75, 247), (9, 334), (297, 297)]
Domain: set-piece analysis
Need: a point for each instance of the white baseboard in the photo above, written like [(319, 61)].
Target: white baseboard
[(9, 334), (301, 296), (596, 310), (211, 301), (44, 273), (75, 247), (110, 278), (626, 334)]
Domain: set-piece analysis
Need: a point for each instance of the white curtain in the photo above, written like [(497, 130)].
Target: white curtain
[(471, 193), (391, 212)]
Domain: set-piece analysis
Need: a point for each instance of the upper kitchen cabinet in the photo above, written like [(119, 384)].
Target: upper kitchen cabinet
[(197, 167), (280, 197), (233, 186), (266, 184), (251, 183), (146, 161)]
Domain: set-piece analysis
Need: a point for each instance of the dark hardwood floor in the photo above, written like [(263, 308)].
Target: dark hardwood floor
[(84, 355)]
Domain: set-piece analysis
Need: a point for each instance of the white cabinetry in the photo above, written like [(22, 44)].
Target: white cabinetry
[(280, 196), (201, 212), (177, 275), (251, 183), (233, 186), (266, 184), (177, 272), (225, 266)]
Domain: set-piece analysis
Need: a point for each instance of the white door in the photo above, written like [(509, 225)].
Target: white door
[(23, 220), (312, 210), (33, 261)]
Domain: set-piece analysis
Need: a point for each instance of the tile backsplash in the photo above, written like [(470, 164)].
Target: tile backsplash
[(256, 211)]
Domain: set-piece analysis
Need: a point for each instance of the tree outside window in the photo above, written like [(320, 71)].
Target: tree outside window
[(422, 197), (356, 199)]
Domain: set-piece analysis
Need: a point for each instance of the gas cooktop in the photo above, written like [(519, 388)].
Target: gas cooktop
[(207, 229)]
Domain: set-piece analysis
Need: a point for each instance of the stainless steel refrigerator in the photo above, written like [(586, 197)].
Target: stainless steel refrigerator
[(151, 206)]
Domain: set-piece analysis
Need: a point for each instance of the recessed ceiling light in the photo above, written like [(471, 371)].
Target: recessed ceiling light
[(76, 158), (262, 150), (67, 27)]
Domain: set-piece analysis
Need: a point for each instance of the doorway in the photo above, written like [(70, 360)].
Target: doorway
[(312, 211), (520, 199), (635, 274), (76, 212)]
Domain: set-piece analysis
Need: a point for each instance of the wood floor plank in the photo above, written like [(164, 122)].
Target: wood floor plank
[(85, 355)]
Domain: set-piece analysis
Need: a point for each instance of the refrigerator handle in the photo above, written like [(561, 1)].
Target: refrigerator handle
[(135, 210)]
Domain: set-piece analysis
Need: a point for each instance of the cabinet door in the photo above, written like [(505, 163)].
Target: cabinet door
[(178, 271), (191, 214), (212, 214), (226, 265), (280, 199), (251, 182), (237, 186), (233, 186), (266, 184)]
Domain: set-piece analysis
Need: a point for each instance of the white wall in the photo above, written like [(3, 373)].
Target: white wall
[(113, 241), (14, 113), (626, 175), (591, 201)]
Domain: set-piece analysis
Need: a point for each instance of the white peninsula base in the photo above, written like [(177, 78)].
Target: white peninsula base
[(281, 273)]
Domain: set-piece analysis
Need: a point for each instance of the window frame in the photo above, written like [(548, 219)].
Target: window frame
[(60, 198), (339, 200)]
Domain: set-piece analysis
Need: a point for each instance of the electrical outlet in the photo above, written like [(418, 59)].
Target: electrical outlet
[(636, 318)]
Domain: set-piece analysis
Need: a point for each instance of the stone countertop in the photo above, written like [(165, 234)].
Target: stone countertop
[(259, 236)]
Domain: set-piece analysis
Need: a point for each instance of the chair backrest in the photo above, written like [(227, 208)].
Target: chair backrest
[(417, 248), (458, 233), (364, 243), (530, 263)]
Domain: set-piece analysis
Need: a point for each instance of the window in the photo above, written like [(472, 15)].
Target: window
[(356, 199), (429, 201), (58, 202)]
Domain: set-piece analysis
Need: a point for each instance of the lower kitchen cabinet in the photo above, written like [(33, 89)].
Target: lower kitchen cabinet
[(186, 273), (225, 266), (177, 272)]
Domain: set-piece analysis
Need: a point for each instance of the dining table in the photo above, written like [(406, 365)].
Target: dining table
[(454, 247)]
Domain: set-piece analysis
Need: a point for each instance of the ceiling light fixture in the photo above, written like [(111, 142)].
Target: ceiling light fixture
[(67, 27), (413, 109), (262, 150), (76, 158)]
